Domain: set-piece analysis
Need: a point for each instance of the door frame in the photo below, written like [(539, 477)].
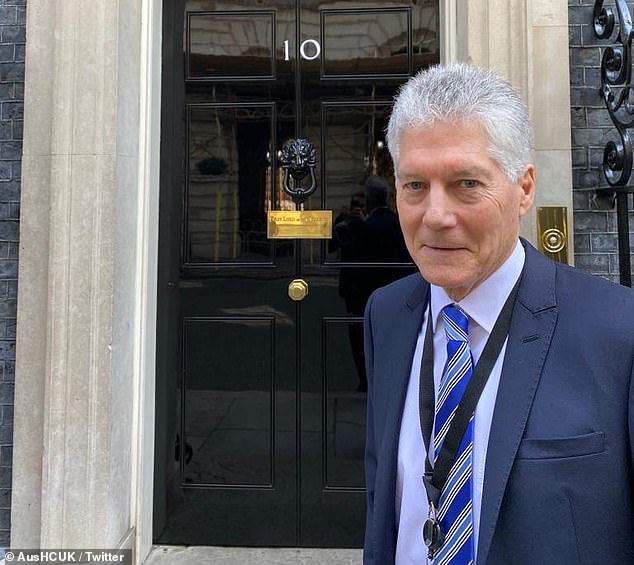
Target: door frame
[(143, 431)]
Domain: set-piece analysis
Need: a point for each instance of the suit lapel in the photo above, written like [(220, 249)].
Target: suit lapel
[(530, 335), (403, 344)]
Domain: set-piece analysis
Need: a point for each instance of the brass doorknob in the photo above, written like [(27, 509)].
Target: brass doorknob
[(297, 289)]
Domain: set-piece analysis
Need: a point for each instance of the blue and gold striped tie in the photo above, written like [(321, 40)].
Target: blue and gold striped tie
[(455, 506)]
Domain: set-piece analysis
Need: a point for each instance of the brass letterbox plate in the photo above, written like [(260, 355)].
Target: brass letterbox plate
[(552, 230), (300, 224)]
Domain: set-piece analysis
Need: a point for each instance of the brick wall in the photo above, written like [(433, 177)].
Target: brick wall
[(596, 246), (12, 44)]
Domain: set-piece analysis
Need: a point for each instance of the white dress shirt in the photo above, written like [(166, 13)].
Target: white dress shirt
[(483, 306)]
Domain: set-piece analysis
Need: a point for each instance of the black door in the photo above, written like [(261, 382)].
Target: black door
[(261, 399)]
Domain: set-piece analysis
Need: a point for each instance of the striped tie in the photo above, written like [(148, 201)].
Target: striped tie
[(455, 505)]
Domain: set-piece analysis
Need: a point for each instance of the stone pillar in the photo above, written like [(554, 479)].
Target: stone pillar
[(85, 254), (527, 43), (551, 108)]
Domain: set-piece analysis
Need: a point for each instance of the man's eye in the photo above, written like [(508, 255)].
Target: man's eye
[(415, 185), (469, 183)]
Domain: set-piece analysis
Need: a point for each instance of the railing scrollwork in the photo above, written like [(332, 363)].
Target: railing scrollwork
[(617, 93)]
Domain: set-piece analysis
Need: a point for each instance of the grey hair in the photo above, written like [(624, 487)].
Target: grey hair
[(459, 92)]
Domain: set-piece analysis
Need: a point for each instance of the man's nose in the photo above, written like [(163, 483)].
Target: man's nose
[(439, 209)]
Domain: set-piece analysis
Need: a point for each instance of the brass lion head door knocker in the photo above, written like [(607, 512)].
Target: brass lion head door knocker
[(297, 158)]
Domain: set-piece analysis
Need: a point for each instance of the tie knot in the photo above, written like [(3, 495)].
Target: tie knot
[(456, 323)]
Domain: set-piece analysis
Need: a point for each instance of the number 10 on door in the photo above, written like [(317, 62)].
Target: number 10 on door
[(309, 50)]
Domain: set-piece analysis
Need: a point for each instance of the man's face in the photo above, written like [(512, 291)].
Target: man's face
[(458, 211)]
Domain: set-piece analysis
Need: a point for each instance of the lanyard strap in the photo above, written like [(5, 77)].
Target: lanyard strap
[(434, 480)]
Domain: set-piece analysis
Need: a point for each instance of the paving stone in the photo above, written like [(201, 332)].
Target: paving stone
[(168, 555)]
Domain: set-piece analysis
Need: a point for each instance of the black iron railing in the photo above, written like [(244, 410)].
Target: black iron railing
[(617, 93)]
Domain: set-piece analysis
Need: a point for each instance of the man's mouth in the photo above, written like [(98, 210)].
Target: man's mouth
[(443, 247)]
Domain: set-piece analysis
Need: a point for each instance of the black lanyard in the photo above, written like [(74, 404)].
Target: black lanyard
[(435, 479)]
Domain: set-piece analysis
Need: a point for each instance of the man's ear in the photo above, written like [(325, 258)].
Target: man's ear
[(527, 185)]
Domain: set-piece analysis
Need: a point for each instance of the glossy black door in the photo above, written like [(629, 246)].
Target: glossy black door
[(261, 400)]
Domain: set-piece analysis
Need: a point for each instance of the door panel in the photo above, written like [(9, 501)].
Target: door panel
[(261, 400), (229, 423)]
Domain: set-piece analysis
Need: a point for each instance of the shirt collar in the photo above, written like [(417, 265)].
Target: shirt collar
[(485, 302)]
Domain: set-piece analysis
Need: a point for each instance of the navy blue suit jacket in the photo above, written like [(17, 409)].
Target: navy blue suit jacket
[(559, 485)]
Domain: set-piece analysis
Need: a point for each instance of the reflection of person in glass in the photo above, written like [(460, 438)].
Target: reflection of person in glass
[(346, 238), (347, 223), (382, 237), (372, 238)]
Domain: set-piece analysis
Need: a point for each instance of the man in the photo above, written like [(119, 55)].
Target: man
[(540, 471)]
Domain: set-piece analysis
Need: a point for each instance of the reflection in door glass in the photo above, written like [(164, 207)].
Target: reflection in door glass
[(359, 186), (366, 42), (229, 183), (231, 45)]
